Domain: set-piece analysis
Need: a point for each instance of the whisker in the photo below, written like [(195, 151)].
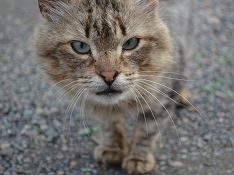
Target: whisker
[(76, 101), (163, 107), (159, 91), (61, 96), (198, 111), (172, 73), (155, 119), (68, 109), (170, 78), (142, 112), (137, 106), (82, 111), (73, 100), (56, 84), (135, 96), (59, 91)]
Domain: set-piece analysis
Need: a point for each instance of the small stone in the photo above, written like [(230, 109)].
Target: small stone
[(73, 164), (64, 148), (7, 173), (184, 139), (162, 163), (232, 142), (1, 169), (176, 164), (27, 160), (48, 159), (60, 172), (207, 137), (43, 127), (7, 151), (59, 156), (200, 143), (163, 168), (5, 145), (162, 157), (161, 145)]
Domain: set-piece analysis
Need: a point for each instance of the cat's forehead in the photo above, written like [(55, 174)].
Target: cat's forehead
[(105, 15), (104, 21), (103, 5)]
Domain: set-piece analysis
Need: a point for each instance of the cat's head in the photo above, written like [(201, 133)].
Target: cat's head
[(102, 48)]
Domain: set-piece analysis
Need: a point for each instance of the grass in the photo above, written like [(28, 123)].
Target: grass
[(87, 170), (197, 56), (229, 94), (88, 132), (215, 85), (225, 60), (176, 172)]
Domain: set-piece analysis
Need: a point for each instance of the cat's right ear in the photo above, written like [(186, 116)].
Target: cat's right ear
[(45, 7)]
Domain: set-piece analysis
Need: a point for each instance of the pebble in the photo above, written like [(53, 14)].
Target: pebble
[(1, 169), (176, 164), (163, 157), (60, 172), (5, 145), (73, 164), (59, 156), (232, 142)]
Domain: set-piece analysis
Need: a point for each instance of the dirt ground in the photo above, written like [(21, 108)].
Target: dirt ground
[(32, 116)]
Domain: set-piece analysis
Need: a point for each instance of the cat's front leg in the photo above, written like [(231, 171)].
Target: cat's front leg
[(141, 158), (114, 145)]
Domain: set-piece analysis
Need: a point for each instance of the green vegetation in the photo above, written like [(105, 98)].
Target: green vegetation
[(209, 88)]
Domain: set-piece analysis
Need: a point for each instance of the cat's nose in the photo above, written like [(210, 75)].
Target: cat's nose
[(109, 76)]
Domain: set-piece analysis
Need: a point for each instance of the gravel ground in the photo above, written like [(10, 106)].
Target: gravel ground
[(32, 118)]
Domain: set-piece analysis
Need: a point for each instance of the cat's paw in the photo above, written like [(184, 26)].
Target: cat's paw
[(135, 164), (108, 156)]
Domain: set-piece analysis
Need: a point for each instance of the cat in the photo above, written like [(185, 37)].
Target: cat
[(117, 57)]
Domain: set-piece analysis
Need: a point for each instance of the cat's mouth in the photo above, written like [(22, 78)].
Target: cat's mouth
[(109, 92)]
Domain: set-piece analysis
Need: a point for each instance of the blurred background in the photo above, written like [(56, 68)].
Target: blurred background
[(32, 113)]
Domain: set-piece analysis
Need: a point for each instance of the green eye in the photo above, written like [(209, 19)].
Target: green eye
[(80, 47), (131, 44)]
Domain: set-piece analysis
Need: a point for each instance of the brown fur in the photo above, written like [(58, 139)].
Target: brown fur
[(106, 25)]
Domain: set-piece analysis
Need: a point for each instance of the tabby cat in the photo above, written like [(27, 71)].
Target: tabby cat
[(116, 57)]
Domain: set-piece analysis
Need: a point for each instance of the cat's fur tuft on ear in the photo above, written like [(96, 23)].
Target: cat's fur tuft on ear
[(45, 6), (49, 8)]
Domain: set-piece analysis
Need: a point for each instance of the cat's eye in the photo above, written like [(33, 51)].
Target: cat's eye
[(131, 44), (80, 47)]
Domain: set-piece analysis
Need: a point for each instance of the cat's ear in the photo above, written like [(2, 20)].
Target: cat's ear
[(45, 7), (48, 7)]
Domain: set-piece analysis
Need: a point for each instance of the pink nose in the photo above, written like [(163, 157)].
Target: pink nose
[(109, 76)]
